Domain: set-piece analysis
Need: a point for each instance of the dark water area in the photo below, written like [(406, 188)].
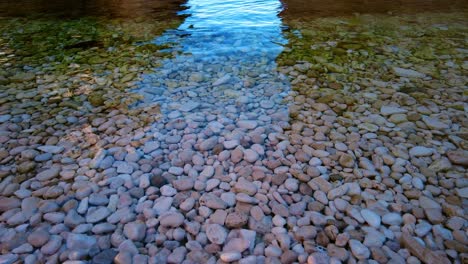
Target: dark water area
[(85, 8), (293, 9)]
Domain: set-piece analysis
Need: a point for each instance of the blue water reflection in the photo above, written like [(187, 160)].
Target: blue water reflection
[(224, 51)]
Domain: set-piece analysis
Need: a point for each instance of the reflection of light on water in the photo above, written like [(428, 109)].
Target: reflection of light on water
[(222, 27), (233, 39)]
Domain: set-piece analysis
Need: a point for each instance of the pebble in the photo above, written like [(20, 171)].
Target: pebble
[(171, 219), (48, 174), (230, 256), (208, 144), (360, 251), (135, 231), (371, 218), (216, 234), (420, 151), (392, 219), (233, 165)]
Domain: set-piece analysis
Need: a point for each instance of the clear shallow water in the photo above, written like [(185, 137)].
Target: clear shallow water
[(344, 99), (224, 51)]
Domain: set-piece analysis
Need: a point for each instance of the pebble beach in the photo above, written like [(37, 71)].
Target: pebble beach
[(343, 142)]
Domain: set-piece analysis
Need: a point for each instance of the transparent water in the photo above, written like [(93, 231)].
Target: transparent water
[(224, 52), (252, 90)]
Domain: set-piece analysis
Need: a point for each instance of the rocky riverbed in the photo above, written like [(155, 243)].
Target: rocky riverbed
[(353, 151)]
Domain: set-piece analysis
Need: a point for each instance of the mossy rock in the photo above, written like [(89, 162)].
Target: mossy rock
[(96, 99)]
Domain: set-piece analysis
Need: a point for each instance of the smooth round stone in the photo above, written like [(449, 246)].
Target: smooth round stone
[(392, 219), (135, 231), (230, 256), (176, 171), (358, 249), (420, 151), (371, 218), (341, 146), (250, 155), (171, 219), (230, 144), (167, 190), (216, 234)]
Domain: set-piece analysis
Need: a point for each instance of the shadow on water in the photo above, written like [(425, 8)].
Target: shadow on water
[(97, 8)]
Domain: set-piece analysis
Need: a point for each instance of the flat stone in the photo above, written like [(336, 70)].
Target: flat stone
[(434, 123), (183, 184), (459, 157), (8, 203), (420, 151), (150, 146), (371, 218), (8, 258), (97, 215), (171, 219), (222, 80), (124, 168), (247, 124), (408, 73), (462, 192), (392, 219), (426, 202), (48, 174), (391, 110), (230, 144), (51, 149), (189, 106), (80, 242), (4, 118)]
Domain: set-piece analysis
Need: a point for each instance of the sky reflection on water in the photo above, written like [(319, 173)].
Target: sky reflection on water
[(224, 50)]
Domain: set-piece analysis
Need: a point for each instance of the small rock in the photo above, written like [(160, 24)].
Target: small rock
[(230, 256), (392, 219), (359, 250), (48, 174), (459, 157), (10, 258), (51, 149), (420, 151), (171, 219), (80, 242), (216, 234), (208, 144), (371, 218), (408, 73), (135, 231)]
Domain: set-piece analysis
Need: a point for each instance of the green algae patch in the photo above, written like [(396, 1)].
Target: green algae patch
[(342, 53), (77, 64)]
